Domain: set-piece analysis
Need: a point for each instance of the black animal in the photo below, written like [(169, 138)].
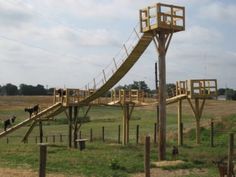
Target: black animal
[(34, 109), (61, 92), (175, 152), (222, 167), (9, 122)]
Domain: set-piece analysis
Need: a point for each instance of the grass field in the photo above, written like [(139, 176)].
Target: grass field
[(110, 158)]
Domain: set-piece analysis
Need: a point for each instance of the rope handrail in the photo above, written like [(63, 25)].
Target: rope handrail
[(119, 58)]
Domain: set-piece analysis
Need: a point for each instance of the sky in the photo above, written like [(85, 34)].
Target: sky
[(68, 43)]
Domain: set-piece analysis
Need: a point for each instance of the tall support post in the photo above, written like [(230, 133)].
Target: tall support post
[(197, 121), (70, 127), (75, 126), (40, 132), (160, 42), (157, 108), (197, 111), (180, 141), (125, 124)]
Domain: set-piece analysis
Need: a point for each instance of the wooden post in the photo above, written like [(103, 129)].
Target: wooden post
[(70, 127), (103, 134), (61, 138), (137, 134), (75, 126), (162, 96), (53, 139), (157, 107), (147, 157), (180, 141), (230, 155), (182, 133), (91, 135), (124, 125), (197, 121), (40, 132), (118, 134), (42, 160), (197, 111), (212, 133), (155, 133), (127, 122)]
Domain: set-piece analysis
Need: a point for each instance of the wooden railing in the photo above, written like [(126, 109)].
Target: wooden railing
[(162, 16), (197, 88), (132, 95)]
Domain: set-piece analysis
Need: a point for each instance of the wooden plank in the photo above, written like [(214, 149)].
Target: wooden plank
[(26, 121)]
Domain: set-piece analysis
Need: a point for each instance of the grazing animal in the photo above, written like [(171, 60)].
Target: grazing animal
[(222, 167), (9, 122), (175, 152), (34, 109), (61, 92)]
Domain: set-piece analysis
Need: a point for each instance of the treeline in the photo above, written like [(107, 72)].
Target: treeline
[(24, 89), (230, 94), (28, 90)]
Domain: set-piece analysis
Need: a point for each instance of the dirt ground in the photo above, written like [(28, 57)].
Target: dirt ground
[(10, 172), (155, 172)]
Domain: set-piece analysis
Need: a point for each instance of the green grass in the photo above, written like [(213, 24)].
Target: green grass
[(110, 158)]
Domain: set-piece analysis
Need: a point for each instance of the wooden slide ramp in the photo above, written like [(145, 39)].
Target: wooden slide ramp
[(48, 112), (131, 59)]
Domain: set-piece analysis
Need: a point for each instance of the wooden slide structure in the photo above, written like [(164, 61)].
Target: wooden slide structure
[(58, 107), (42, 115), (132, 50)]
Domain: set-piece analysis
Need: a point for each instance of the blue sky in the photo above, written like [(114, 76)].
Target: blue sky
[(68, 43)]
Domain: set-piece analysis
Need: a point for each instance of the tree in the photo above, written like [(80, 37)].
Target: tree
[(9, 89), (31, 90), (221, 91), (229, 93)]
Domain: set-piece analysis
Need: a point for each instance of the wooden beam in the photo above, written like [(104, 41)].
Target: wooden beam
[(162, 96), (70, 127), (179, 123)]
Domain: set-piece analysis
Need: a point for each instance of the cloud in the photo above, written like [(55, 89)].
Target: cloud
[(220, 12), (12, 16)]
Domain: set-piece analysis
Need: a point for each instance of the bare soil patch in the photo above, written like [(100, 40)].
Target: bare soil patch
[(157, 172), (19, 172)]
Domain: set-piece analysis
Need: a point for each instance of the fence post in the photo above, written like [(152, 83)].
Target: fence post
[(212, 133), (181, 134), (53, 138), (60, 137), (155, 133), (230, 155), (103, 134), (91, 135), (42, 159), (147, 156), (118, 134), (137, 134)]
